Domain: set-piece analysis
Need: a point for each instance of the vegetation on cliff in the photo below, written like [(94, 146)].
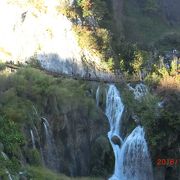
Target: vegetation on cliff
[(67, 104)]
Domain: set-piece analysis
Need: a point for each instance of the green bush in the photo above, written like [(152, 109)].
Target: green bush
[(97, 41), (10, 135)]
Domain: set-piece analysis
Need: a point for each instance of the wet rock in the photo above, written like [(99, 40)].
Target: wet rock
[(136, 119), (116, 140)]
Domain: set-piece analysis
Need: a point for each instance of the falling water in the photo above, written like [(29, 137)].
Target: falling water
[(39, 142), (4, 155), (6, 158), (33, 139), (9, 175), (50, 152), (135, 160), (139, 90), (132, 160), (114, 110), (97, 96)]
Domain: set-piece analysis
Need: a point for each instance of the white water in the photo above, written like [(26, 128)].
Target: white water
[(139, 90), (50, 152), (6, 158), (9, 175), (4, 155), (39, 142), (97, 96), (114, 110), (132, 160), (33, 139)]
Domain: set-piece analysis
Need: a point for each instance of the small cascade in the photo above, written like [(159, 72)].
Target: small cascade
[(33, 139), (50, 152), (97, 96), (9, 175), (132, 160), (39, 142), (7, 172), (134, 157), (114, 110), (4, 155), (139, 90), (35, 110)]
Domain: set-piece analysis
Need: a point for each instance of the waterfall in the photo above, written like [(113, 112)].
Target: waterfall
[(33, 139), (97, 96), (132, 160), (114, 110), (9, 175), (4, 155), (139, 90), (7, 172), (39, 142), (50, 153)]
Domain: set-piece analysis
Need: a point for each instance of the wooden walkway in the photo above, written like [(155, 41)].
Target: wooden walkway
[(110, 78)]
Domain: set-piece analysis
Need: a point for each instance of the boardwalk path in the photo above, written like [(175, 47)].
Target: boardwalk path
[(111, 78)]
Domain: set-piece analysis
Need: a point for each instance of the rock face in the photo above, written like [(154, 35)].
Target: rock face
[(46, 35), (76, 139), (75, 130)]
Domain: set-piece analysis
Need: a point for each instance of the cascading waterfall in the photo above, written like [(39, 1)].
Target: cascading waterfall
[(132, 160), (4, 155), (39, 142), (9, 175), (114, 110), (139, 90), (97, 96), (135, 160), (7, 172), (50, 153), (33, 139)]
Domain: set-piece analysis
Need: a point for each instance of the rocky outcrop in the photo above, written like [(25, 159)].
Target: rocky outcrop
[(79, 136), (75, 137), (116, 140), (46, 35)]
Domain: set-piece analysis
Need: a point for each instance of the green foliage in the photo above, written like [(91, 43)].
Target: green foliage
[(96, 8), (173, 68), (144, 24), (97, 41), (152, 79), (37, 173), (52, 97), (10, 135), (137, 61), (70, 12), (34, 157), (168, 40), (86, 6), (131, 58)]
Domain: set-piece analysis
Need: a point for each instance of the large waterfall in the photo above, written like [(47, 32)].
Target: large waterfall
[(114, 110), (132, 161)]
